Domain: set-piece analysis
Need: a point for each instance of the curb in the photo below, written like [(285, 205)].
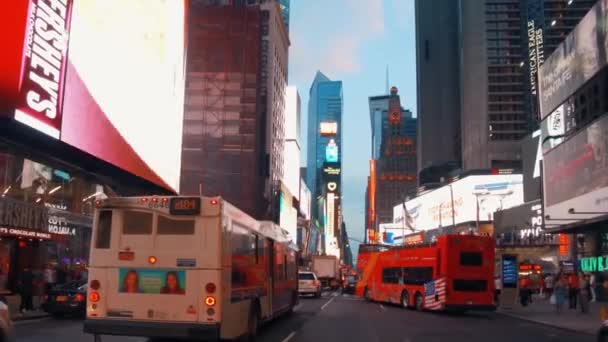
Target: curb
[(28, 318), (545, 323)]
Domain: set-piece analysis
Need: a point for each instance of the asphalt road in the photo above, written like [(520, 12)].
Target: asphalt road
[(337, 317)]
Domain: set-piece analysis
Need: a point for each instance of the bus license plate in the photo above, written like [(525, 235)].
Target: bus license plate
[(61, 299)]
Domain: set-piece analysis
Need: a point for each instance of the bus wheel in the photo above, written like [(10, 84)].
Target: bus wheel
[(366, 295), (418, 301), (405, 300)]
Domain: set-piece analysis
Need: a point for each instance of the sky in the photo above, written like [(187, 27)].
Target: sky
[(353, 41)]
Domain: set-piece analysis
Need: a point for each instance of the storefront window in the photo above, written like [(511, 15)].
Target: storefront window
[(5, 264)]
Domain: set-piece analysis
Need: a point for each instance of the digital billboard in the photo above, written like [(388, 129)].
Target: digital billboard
[(331, 152), (39, 103), (582, 54), (477, 196), (331, 177), (575, 174), (328, 128), (106, 77)]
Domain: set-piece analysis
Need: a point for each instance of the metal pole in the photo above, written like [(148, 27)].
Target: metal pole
[(453, 210), (477, 221)]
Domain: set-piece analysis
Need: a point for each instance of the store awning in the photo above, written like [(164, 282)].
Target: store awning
[(581, 226)]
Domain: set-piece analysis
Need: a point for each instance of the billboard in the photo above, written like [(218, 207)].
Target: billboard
[(582, 54), (576, 173), (305, 200), (531, 155), (331, 215), (474, 197), (40, 99), (331, 176), (331, 152), (328, 128), (121, 69)]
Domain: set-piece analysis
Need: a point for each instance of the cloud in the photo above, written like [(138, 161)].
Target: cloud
[(334, 46)]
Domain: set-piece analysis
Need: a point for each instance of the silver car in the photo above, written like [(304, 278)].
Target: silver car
[(308, 283)]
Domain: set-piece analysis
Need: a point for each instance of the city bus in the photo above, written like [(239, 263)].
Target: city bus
[(186, 267), (454, 273)]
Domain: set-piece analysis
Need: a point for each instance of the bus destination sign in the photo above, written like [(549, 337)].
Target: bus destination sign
[(185, 206)]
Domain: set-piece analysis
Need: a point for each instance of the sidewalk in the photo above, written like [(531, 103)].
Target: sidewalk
[(36, 314), (541, 311)]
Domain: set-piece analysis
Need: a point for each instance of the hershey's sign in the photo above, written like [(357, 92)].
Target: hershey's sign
[(17, 214), (44, 65)]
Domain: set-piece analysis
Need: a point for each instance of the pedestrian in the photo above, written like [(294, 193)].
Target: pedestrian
[(524, 290), (497, 289), (560, 291), (26, 290), (549, 280), (50, 277), (573, 289), (592, 285), (584, 292)]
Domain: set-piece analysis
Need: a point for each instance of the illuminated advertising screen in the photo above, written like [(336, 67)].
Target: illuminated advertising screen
[(331, 176), (328, 128), (581, 55), (106, 77), (331, 152), (477, 196), (152, 281), (575, 174)]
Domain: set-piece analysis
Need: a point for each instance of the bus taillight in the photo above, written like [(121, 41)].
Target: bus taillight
[(94, 297), (95, 284), (210, 301), (152, 260), (210, 287)]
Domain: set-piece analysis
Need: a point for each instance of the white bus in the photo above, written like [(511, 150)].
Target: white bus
[(186, 267)]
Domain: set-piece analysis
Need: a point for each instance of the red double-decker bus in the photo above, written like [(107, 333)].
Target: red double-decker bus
[(454, 273)]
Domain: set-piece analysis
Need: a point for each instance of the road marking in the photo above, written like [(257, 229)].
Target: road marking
[(335, 294), (326, 304), (289, 337), (297, 307), (382, 307)]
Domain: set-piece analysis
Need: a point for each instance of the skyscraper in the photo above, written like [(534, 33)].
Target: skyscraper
[(438, 82), (323, 174), (476, 62), (393, 155), (234, 116)]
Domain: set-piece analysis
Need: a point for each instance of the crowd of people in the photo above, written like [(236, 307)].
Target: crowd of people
[(576, 289), (39, 281)]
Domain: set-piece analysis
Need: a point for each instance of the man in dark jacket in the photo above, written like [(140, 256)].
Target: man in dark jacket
[(26, 290)]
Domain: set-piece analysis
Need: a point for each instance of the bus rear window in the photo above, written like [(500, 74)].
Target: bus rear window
[(136, 223), (470, 259), (167, 226), (104, 229), (470, 285)]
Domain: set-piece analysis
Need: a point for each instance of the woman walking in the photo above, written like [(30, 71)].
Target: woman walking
[(584, 292), (560, 292)]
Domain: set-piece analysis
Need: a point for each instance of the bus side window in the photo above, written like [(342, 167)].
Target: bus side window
[(104, 229)]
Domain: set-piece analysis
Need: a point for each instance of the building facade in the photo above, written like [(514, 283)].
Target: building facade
[(291, 163), (234, 126), (574, 131), (323, 170), (494, 94), (223, 151), (393, 156), (438, 82)]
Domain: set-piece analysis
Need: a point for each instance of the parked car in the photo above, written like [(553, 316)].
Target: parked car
[(67, 299), (349, 285), (308, 283), (6, 325)]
